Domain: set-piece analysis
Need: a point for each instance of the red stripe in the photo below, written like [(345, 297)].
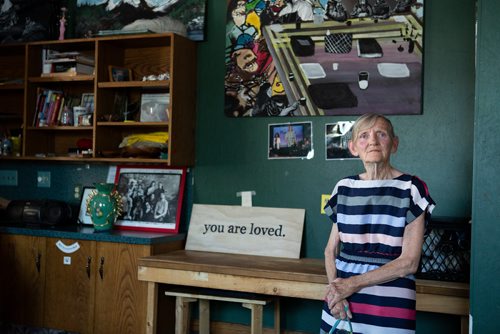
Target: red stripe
[(383, 311), (425, 185)]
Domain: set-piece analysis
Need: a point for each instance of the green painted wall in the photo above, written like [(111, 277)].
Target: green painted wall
[(437, 146), (485, 285), (232, 153)]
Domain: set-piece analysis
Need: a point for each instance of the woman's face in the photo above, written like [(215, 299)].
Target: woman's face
[(374, 144)]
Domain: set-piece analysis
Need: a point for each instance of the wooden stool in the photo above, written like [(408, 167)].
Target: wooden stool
[(183, 299)]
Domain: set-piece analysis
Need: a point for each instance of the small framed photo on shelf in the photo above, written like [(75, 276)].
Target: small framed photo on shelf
[(120, 104), (117, 73), (88, 102), (154, 107), (84, 217), (152, 197), (81, 116)]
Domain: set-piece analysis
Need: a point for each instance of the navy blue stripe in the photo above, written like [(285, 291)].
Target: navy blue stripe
[(372, 228), (401, 282), (375, 191), (371, 209), (371, 248)]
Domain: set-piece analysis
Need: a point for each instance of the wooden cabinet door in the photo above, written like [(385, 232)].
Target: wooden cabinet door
[(22, 263), (70, 282), (120, 302)]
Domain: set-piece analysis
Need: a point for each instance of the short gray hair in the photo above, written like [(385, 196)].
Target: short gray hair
[(367, 121)]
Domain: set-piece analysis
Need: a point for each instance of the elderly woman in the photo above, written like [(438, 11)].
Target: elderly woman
[(376, 240)]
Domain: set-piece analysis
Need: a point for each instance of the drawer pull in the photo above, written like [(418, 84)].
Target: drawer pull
[(101, 268), (89, 261)]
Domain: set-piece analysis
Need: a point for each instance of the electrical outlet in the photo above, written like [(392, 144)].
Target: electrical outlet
[(43, 180), (8, 177)]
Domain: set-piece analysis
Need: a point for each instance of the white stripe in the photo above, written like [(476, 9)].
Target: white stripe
[(371, 219), (364, 328), (387, 291), (328, 318), (374, 183), (354, 268), (371, 238)]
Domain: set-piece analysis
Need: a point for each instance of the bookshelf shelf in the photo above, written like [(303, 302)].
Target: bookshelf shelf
[(164, 84), (60, 128), (62, 78)]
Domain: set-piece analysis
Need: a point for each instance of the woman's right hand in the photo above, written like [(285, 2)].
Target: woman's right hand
[(340, 309)]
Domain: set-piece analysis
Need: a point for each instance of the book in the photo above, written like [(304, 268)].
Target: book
[(86, 58), (66, 66), (55, 108), (82, 68), (42, 115), (69, 73), (40, 101), (369, 48)]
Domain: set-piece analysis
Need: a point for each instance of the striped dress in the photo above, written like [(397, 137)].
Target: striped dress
[(371, 216)]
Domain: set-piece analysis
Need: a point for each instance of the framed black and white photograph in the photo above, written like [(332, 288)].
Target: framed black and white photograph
[(83, 216), (290, 140), (154, 107), (337, 136), (152, 197)]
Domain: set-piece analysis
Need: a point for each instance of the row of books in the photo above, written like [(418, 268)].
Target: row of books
[(50, 105), (67, 63)]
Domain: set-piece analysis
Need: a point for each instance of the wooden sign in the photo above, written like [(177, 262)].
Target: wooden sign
[(246, 230)]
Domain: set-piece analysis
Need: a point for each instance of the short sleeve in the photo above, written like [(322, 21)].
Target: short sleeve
[(420, 201), (331, 206)]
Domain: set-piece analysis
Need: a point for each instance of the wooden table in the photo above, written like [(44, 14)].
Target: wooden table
[(297, 278)]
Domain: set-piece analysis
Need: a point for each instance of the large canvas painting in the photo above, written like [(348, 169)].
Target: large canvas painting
[(26, 21), (103, 17), (323, 57)]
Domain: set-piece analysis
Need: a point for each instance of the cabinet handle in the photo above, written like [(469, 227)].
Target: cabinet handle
[(89, 260), (101, 268), (38, 259)]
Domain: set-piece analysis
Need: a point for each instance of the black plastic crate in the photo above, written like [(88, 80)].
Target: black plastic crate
[(446, 250)]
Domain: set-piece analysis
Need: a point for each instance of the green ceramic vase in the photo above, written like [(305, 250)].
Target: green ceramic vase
[(104, 206)]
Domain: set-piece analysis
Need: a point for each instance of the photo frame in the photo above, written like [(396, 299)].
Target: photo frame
[(152, 197), (117, 73), (290, 140), (337, 136), (88, 102), (119, 111), (81, 116), (83, 216), (154, 107)]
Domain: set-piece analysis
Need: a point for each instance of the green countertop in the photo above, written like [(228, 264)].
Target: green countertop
[(83, 232)]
